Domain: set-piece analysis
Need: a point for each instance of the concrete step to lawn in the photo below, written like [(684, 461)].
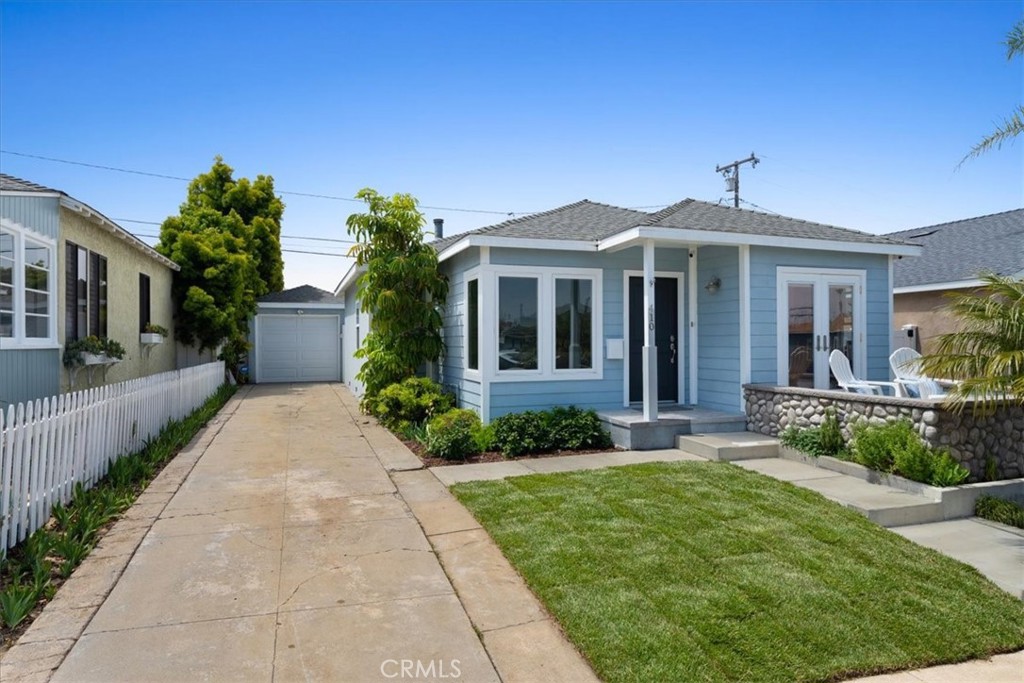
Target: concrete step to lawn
[(729, 446), (883, 505)]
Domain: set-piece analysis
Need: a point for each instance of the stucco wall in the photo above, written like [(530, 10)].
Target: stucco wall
[(124, 264), (924, 309)]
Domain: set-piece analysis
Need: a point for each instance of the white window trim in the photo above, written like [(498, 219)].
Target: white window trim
[(784, 275), (545, 277), (474, 374), (19, 340)]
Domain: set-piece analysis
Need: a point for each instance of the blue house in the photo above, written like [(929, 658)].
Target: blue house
[(656, 317)]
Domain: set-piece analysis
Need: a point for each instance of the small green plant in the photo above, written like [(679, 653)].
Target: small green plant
[(948, 472), (417, 399), (831, 435), (153, 328), (517, 434), (575, 429), (113, 349), (16, 603), (74, 350), (914, 460), (999, 510), (61, 515), (991, 469), (485, 438), (874, 446), (72, 550), (452, 435), (806, 440)]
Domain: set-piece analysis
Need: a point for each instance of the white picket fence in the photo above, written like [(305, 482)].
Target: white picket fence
[(49, 445)]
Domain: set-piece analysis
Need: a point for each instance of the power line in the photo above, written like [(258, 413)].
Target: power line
[(314, 195), (291, 251), (288, 237)]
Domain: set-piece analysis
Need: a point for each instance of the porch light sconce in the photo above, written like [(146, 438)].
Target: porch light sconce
[(713, 285)]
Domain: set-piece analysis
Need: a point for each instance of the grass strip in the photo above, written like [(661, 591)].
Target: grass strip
[(707, 572)]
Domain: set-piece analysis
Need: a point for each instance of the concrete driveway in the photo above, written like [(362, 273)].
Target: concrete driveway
[(288, 553)]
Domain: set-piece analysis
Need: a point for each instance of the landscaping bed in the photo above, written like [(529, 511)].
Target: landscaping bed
[(490, 456), (705, 571), (33, 571)]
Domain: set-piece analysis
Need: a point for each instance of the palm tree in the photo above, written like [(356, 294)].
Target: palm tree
[(986, 356), (1014, 125)]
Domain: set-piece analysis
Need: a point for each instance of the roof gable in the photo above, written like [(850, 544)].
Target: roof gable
[(304, 294)]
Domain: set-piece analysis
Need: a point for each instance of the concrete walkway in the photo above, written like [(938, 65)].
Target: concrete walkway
[(288, 553)]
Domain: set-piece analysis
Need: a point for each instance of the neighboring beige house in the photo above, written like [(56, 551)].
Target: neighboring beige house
[(955, 254), (67, 272)]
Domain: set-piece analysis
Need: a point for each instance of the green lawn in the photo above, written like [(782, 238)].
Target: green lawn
[(707, 572)]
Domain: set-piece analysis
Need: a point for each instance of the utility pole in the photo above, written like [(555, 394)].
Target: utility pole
[(731, 173)]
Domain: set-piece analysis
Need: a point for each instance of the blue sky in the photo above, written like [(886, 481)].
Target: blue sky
[(859, 111)]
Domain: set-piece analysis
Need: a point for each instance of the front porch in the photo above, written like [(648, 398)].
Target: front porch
[(631, 430)]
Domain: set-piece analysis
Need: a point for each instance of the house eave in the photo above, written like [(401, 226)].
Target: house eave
[(470, 241), (353, 272), (951, 284), (298, 304), (113, 228), (683, 236)]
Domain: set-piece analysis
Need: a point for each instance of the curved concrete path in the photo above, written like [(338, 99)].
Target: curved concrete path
[(288, 553)]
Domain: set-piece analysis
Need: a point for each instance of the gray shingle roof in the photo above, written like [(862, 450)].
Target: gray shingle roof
[(692, 214), (582, 220), (586, 220), (960, 250), (306, 294), (12, 184)]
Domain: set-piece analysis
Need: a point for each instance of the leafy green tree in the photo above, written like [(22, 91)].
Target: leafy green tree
[(1014, 124), (226, 239), (401, 289), (986, 355)]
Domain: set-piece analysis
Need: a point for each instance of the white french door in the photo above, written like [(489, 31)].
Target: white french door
[(819, 311)]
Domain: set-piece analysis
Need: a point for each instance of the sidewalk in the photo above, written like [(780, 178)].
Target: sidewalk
[(287, 553)]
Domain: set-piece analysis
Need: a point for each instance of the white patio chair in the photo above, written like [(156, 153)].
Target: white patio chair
[(840, 366), (904, 364)]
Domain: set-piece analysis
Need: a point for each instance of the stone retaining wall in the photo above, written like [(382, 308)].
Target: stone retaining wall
[(971, 439)]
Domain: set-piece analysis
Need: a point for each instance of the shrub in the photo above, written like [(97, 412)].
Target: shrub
[(16, 602), (875, 446), (807, 440), (416, 399), (574, 429), (999, 510), (831, 436), (948, 472), (914, 460), (521, 433), (452, 435), (485, 438)]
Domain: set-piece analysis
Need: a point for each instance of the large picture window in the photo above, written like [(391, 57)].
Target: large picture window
[(26, 288), (547, 322), (517, 323), (573, 324)]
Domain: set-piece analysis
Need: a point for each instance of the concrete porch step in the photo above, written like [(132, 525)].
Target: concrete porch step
[(883, 505), (729, 446)]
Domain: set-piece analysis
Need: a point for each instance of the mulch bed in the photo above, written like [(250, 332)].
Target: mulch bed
[(489, 456)]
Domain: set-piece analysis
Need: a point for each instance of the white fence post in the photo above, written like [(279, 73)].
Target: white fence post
[(48, 446)]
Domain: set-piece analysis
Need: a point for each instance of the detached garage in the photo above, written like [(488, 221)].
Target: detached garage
[(296, 336)]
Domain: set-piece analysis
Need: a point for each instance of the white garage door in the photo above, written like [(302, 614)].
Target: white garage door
[(298, 348)]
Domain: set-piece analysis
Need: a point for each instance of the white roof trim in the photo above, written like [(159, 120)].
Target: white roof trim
[(282, 304), (350, 275), (702, 237), (516, 243), (116, 230), (28, 193), (939, 286)]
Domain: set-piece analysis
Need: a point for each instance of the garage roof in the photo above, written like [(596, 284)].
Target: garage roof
[(306, 294)]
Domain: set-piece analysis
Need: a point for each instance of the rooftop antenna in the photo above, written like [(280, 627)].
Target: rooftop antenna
[(731, 173)]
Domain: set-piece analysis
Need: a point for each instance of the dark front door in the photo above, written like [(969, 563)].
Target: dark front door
[(666, 338)]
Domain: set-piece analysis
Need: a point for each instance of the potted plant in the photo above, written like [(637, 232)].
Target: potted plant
[(153, 334), (87, 351), (112, 350)]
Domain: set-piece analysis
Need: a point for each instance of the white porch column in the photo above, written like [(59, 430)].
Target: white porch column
[(650, 354)]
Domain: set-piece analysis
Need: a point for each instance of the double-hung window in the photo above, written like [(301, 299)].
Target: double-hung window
[(26, 289), (547, 323), (85, 293)]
